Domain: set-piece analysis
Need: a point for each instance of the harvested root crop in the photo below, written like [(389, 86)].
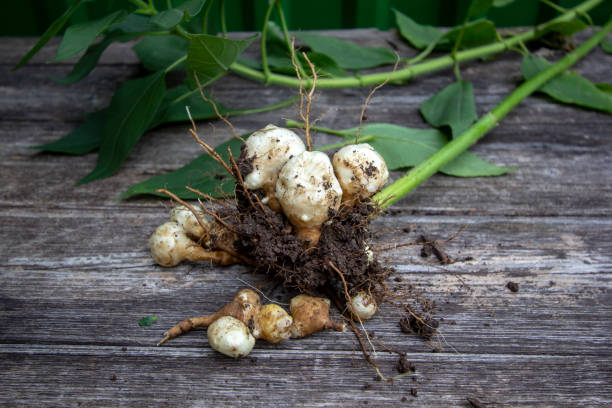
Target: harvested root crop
[(301, 218), (245, 314)]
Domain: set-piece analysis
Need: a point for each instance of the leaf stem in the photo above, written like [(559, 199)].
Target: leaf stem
[(176, 63), (287, 37), (294, 124), (209, 4), (423, 171), (264, 48), (222, 16), (279, 105), (411, 71), (362, 139)]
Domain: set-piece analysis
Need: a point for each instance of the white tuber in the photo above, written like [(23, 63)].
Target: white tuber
[(362, 306), (170, 245), (185, 218), (306, 190), (269, 149), (361, 171), (231, 337), (274, 323)]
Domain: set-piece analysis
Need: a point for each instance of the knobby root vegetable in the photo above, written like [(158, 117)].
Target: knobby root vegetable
[(270, 322), (362, 306), (361, 171), (311, 315), (170, 245), (231, 337), (274, 323), (268, 150), (307, 190), (188, 222), (244, 307)]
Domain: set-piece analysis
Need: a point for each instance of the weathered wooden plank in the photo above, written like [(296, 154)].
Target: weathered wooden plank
[(102, 376), (75, 275), (64, 281)]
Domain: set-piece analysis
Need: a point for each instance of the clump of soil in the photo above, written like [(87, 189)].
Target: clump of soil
[(267, 238)]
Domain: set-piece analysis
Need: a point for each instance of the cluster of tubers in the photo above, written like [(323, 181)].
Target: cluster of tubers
[(233, 329), (296, 195)]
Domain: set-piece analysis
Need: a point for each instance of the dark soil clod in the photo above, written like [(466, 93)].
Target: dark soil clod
[(431, 247), (404, 366), (424, 327), (513, 286)]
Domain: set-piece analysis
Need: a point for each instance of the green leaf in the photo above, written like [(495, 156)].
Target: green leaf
[(147, 321), (346, 54), (502, 3), (453, 107), (203, 174), (210, 57), (569, 87), (135, 23), (479, 7), (404, 147), (606, 45), (419, 35), (158, 52), (170, 18), (607, 88), (173, 107), (87, 62), (132, 108), (567, 27), (84, 139), (49, 33), (475, 34), (79, 36)]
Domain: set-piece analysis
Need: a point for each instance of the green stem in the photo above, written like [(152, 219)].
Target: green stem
[(223, 23), (426, 169), (264, 47), (413, 70), (363, 139), (287, 38), (294, 124), (176, 63), (209, 4), (279, 105), (182, 32)]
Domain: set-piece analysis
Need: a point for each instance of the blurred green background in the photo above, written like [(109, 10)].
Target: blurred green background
[(32, 17)]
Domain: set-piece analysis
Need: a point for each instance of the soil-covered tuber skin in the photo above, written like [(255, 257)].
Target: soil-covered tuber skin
[(274, 323), (188, 222), (311, 315), (361, 171), (268, 150), (362, 306), (170, 245), (231, 337), (307, 190)]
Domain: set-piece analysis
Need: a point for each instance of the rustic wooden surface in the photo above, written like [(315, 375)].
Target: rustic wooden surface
[(76, 275)]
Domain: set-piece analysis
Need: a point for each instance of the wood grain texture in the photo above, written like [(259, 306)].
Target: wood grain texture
[(75, 273)]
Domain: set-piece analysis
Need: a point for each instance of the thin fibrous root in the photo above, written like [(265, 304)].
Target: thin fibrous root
[(207, 148), (214, 105), (367, 101)]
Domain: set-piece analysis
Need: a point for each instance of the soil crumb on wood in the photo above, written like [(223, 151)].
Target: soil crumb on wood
[(424, 328), (404, 366), (513, 286)]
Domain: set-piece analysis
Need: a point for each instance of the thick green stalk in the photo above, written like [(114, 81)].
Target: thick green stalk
[(413, 70), (423, 171), (264, 47)]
